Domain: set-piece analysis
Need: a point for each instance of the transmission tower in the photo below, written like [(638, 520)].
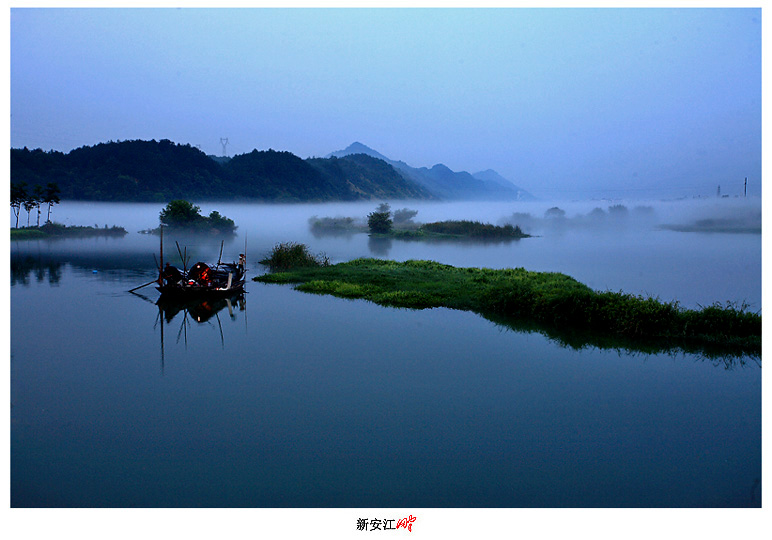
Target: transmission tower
[(224, 143)]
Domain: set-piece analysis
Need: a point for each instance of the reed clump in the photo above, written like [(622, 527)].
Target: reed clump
[(552, 303), (290, 255)]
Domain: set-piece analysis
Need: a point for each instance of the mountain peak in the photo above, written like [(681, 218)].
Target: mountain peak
[(442, 181), (440, 167), (358, 148)]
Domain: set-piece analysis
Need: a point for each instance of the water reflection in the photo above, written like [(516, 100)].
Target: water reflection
[(379, 245), (726, 355), (202, 310), (24, 268), (190, 312)]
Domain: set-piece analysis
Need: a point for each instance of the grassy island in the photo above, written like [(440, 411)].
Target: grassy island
[(551, 303), (57, 230), (459, 229)]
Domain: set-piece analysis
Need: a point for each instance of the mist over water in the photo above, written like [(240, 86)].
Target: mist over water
[(695, 251)]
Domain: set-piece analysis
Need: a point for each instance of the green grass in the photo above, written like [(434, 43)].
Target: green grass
[(472, 229), (289, 256), (57, 230), (551, 303), (27, 233), (457, 229)]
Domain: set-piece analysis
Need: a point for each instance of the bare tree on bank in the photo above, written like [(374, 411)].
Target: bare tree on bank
[(18, 196), (51, 197)]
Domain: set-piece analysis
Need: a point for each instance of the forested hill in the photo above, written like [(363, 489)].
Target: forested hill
[(159, 171)]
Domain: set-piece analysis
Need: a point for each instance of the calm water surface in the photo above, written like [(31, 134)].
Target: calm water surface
[(285, 399)]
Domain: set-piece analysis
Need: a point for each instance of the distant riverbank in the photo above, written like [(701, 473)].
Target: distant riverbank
[(57, 230)]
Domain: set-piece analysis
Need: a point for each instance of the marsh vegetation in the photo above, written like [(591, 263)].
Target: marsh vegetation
[(552, 303), (290, 256)]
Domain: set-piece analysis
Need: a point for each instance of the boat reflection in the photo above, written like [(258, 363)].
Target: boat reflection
[(202, 309), (198, 312)]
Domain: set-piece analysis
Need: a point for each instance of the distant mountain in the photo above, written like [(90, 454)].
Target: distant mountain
[(370, 177), (443, 183), (492, 178), (160, 171), (358, 148)]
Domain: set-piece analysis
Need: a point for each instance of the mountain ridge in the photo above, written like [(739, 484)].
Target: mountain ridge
[(160, 171), (445, 183)]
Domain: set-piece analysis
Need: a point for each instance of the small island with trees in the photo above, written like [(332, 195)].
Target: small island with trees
[(183, 216), (30, 200), (382, 222), (179, 215)]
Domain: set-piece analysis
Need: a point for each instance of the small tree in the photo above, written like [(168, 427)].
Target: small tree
[(51, 197), (179, 213), (221, 223), (380, 220), (30, 203), (555, 213), (18, 196), (38, 196), (404, 215)]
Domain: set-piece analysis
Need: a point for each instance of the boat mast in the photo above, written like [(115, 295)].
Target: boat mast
[(161, 266)]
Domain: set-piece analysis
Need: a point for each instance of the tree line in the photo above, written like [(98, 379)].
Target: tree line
[(162, 171), (22, 196)]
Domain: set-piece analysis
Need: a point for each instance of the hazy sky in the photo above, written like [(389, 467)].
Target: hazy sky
[(563, 102)]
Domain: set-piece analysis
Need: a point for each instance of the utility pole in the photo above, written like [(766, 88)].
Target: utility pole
[(745, 188), (224, 143)]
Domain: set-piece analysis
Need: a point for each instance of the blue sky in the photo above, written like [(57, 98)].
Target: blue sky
[(566, 103)]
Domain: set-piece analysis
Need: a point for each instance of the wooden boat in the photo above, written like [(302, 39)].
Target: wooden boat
[(201, 281), (222, 280)]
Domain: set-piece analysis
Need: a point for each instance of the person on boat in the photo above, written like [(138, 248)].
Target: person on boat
[(171, 274), (242, 263)]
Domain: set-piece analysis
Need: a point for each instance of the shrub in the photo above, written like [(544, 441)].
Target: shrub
[(473, 229), (555, 213), (380, 221), (405, 215), (290, 255), (221, 223), (335, 224)]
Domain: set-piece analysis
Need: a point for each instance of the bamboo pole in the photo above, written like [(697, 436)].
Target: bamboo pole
[(161, 266), (145, 285), (182, 257)]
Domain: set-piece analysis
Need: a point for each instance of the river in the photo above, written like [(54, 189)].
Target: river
[(285, 399)]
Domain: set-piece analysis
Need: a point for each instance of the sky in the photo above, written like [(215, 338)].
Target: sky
[(565, 103)]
